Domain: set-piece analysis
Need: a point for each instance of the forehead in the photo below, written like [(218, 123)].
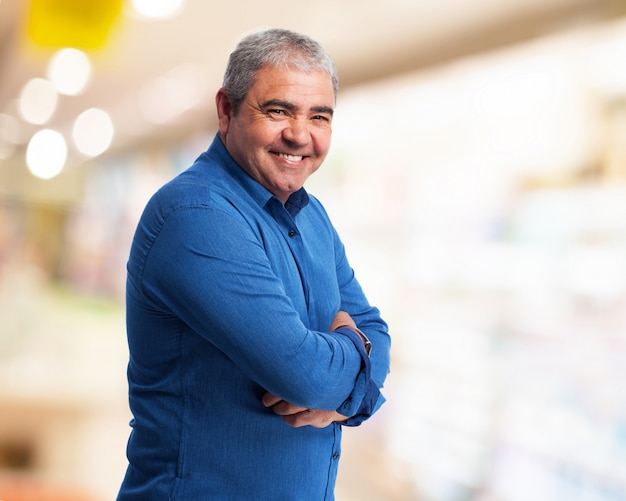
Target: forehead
[(281, 82)]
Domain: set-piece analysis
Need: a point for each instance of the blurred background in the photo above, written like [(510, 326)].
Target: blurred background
[(477, 176)]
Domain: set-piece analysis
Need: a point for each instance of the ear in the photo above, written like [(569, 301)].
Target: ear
[(224, 110)]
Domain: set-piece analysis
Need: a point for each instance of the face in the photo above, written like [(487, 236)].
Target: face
[(281, 133)]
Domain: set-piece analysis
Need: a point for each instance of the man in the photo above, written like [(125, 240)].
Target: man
[(251, 342)]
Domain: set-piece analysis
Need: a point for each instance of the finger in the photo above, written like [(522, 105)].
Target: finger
[(299, 420), (268, 400), (284, 408), (309, 417)]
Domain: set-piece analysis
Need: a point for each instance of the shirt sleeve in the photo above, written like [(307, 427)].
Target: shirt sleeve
[(369, 320), (209, 270)]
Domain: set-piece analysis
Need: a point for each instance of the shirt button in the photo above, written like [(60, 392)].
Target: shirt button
[(335, 455), (292, 233)]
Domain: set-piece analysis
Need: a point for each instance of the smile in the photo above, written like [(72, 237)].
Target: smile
[(291, 158)]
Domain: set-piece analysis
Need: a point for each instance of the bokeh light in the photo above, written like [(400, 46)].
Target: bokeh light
[(69, 70), (93, 132), (157, 8), (46, 154), (38, 101)]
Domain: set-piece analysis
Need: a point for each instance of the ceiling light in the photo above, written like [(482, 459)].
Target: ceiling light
[(38, 101), (69, 70), (46, 154), (159, 9), (93, 132)]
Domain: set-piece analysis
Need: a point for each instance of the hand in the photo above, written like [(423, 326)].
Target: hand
[(342, 318), (297, 416)]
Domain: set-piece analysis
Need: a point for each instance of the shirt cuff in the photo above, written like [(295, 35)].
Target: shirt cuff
[(370, 404), (365, 398)]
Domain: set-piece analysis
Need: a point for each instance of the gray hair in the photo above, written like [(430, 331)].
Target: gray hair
[(273, 48)]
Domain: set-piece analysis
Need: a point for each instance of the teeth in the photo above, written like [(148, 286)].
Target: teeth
[(293, 158)]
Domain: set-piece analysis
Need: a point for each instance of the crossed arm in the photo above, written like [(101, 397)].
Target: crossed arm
[(297, 416), (239, 264)]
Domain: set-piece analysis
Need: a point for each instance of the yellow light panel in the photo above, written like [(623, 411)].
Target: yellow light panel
[(82, 24)]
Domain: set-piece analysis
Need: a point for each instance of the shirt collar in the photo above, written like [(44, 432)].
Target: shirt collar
[(297, 201)]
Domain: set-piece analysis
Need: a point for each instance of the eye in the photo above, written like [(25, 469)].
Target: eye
[(321, 118), (276, 111)]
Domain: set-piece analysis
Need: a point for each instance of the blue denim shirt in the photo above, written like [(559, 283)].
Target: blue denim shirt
[(230, 294)]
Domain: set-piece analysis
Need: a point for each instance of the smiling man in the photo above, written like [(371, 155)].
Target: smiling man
[(251, 341)]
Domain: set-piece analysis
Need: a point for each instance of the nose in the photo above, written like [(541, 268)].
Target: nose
[(297, 131)]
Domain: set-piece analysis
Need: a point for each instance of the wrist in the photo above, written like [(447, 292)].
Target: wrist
[(366, 342)]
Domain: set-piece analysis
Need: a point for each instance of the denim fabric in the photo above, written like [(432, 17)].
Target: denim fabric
[(231, 294)]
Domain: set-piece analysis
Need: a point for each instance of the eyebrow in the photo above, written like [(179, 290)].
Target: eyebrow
[(292, 107)]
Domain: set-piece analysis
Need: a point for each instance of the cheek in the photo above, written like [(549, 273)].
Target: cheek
[(264, 135), (322, 142)]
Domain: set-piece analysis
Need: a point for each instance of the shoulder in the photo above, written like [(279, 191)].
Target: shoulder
[(204, 185)]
